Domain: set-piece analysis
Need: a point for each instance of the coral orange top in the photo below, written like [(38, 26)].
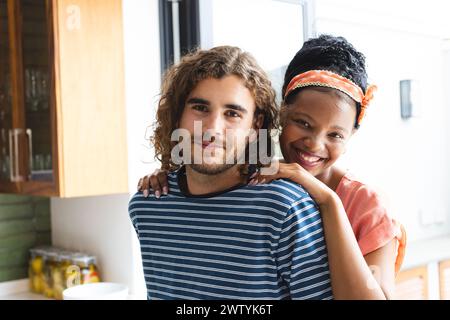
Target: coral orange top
[(371, 224)]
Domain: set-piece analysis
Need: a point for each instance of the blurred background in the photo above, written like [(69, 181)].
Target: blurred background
[(79, 85)]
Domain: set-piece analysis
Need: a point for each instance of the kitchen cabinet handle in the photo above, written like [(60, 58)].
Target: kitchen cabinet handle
[(30, 148), (11, 158), (14, 154)]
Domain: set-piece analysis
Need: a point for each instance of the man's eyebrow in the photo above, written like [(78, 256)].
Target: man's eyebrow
[(198, 100), (232, 106), (236, 107)]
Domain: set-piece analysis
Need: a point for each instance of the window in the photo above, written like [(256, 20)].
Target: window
[(179, 29)]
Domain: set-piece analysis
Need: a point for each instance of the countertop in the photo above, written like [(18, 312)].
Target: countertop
[(18, 290)]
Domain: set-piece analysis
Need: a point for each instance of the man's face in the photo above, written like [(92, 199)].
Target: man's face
[(221, 110)]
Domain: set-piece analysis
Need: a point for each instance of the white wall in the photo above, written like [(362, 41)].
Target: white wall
[(407, 160), (100, 225)]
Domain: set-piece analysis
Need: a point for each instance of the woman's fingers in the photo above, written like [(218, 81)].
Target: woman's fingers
[(145, 186), (162, 179), (260, 179), (156, 186), (253, 175)]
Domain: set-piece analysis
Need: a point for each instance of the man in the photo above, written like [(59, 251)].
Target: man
[(213, 236)]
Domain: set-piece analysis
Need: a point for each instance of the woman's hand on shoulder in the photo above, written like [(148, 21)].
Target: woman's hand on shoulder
[(156, 181), (320, 192)]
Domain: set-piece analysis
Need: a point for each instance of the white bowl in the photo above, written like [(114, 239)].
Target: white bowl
[(97, 291)]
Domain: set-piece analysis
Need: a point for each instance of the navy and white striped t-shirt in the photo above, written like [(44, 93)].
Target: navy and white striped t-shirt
[(248, 242)]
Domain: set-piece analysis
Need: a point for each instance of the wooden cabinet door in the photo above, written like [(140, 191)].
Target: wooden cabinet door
[(7, 163), (90, 100), (62, 104), (26, 111), (36, 43), (412, 284)]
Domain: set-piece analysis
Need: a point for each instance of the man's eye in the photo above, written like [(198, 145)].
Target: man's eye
[(199, 107), (232, 114)]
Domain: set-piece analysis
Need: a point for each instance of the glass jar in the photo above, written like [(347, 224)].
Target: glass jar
[(50, 264), (59, 279), (88, 272), (36, 270)]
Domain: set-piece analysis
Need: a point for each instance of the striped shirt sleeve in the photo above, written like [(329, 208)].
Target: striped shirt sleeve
[(132, 214), (302, 259)]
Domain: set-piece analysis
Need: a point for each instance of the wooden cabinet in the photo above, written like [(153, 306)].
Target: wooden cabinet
[(412, 284), (62, 105)]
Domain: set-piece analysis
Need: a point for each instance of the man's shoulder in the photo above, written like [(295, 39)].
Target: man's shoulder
[(136, 201), (288, 187), (281, 190)]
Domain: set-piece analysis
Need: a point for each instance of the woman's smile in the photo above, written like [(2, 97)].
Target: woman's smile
[(307, 159)]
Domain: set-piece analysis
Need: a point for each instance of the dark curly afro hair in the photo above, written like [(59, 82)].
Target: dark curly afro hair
[(329, 53)]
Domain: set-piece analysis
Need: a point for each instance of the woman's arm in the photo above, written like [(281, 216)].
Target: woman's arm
[(351, 276)]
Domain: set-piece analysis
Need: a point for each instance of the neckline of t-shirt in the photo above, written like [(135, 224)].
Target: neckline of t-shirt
[(184, 190)]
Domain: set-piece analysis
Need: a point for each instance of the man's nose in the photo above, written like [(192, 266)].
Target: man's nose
[(215, 124)]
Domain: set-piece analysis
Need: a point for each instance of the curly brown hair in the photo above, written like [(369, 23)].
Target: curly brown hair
[(194, 67)]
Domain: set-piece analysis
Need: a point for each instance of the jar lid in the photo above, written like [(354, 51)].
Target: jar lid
[(52, 255), (65, 255), (41, 251), (82, 258)]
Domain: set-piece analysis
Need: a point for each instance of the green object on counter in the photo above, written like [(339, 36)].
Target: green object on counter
[(13, 227), (16, 211), (14, 258), (19, 241), (13, 273)]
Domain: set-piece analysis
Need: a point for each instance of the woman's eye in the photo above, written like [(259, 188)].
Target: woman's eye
[(336, 135), (199, 107), (303, 123)]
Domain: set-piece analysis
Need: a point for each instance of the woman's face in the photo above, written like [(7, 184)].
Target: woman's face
[(316, 127)]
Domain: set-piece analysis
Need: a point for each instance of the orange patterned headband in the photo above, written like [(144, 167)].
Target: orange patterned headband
[(323, 78)]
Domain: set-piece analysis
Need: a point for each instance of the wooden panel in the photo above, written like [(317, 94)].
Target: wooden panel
[(90, 97), (412, 284), (444, 280), (17, 89)]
